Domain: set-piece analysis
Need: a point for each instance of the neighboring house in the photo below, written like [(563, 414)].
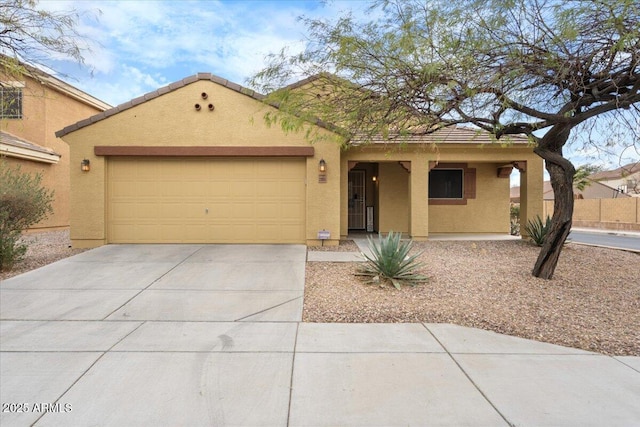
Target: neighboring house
[(195, 162), (594, 190), (32, 108), (625, 179)]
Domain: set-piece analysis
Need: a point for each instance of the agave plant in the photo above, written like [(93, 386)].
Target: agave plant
[(390, 260), (537, 230)]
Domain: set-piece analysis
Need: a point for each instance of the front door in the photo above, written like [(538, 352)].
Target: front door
[(357, 200)]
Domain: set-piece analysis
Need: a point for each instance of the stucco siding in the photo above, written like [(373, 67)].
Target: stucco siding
[(393, 198), (487, 213), (45, 111), (171, 120)]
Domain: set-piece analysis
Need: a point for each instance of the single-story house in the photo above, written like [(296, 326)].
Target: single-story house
[(195, 162)]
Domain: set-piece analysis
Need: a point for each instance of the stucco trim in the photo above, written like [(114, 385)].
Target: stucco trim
[(204, 151)]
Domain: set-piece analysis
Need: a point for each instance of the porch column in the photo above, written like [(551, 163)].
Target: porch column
[(419, 199), (531, 193), (344, 191)]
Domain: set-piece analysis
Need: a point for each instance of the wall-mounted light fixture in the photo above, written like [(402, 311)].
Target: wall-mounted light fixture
[(322, 171), (85, 165), (375, 178)]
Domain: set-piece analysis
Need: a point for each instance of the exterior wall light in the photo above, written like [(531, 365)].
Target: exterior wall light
[(85, 165), (322, 169), (375, 178)]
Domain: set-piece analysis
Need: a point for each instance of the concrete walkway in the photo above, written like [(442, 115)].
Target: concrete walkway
[(211, 336)]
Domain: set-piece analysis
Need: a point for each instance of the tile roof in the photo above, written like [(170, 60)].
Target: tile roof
[(159, 92), (9, 139), (621, 172), (447, 135), (12, 146)]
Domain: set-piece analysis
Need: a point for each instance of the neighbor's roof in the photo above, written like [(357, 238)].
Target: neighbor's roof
[(595, 190), (11, 145), (60, 86), (621, 172), (155, 94), (72, 92)]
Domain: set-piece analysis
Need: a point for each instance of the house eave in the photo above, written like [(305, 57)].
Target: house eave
[(28, 154)]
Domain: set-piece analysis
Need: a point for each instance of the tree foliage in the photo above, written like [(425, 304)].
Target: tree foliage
[(535, 67), (23, 203), (581, 177), (35, 36)]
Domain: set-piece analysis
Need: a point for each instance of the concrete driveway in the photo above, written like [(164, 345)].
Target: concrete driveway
[(137, 335)]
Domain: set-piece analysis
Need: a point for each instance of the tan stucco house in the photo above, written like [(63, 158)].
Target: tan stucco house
[(33, 106), (194, 162)]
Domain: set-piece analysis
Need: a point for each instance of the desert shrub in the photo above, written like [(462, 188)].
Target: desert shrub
[(23, 203), (514, 215), (537, 230), (390, 260)]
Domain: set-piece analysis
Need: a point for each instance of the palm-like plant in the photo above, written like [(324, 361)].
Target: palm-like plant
[(390, 260)]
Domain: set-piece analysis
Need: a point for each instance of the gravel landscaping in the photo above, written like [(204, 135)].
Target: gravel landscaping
[(44, 248), (592, 303)]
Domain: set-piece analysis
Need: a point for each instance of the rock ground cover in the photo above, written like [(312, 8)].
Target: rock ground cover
[(592, 303)]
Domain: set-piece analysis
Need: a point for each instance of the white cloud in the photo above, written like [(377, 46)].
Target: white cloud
[(169, 40)]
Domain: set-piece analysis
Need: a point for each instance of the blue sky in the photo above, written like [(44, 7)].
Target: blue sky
[(137, 46)]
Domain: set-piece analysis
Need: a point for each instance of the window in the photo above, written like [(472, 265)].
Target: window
[(451, 184), (446, 184), (11, 100)]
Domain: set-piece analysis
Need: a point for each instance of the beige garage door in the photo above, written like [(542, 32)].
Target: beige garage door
[(206, 200)]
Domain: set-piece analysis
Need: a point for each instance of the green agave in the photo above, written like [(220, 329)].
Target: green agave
[(390, 261), (537, 230)]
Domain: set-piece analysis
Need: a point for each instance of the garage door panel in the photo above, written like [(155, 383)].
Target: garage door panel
[(206, 200)]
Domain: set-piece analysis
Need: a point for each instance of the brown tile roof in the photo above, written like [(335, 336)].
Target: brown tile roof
[(447, 135), (156, 93), (621, 172), (9, 139)]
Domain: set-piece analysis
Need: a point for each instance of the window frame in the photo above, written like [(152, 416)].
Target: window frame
[(468, 183), (461, 191), (17, 112)]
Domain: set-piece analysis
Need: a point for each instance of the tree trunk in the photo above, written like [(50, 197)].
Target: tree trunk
[(561, 172)]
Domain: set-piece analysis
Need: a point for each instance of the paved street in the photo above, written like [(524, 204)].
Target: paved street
[(612, 239)]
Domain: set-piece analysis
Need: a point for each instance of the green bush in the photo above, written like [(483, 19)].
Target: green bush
[(537, 231), (514, 214), (23, 203), (390, 260)]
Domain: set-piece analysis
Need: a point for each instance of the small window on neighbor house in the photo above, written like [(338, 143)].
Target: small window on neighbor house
[(446, 184), (10, 101)]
